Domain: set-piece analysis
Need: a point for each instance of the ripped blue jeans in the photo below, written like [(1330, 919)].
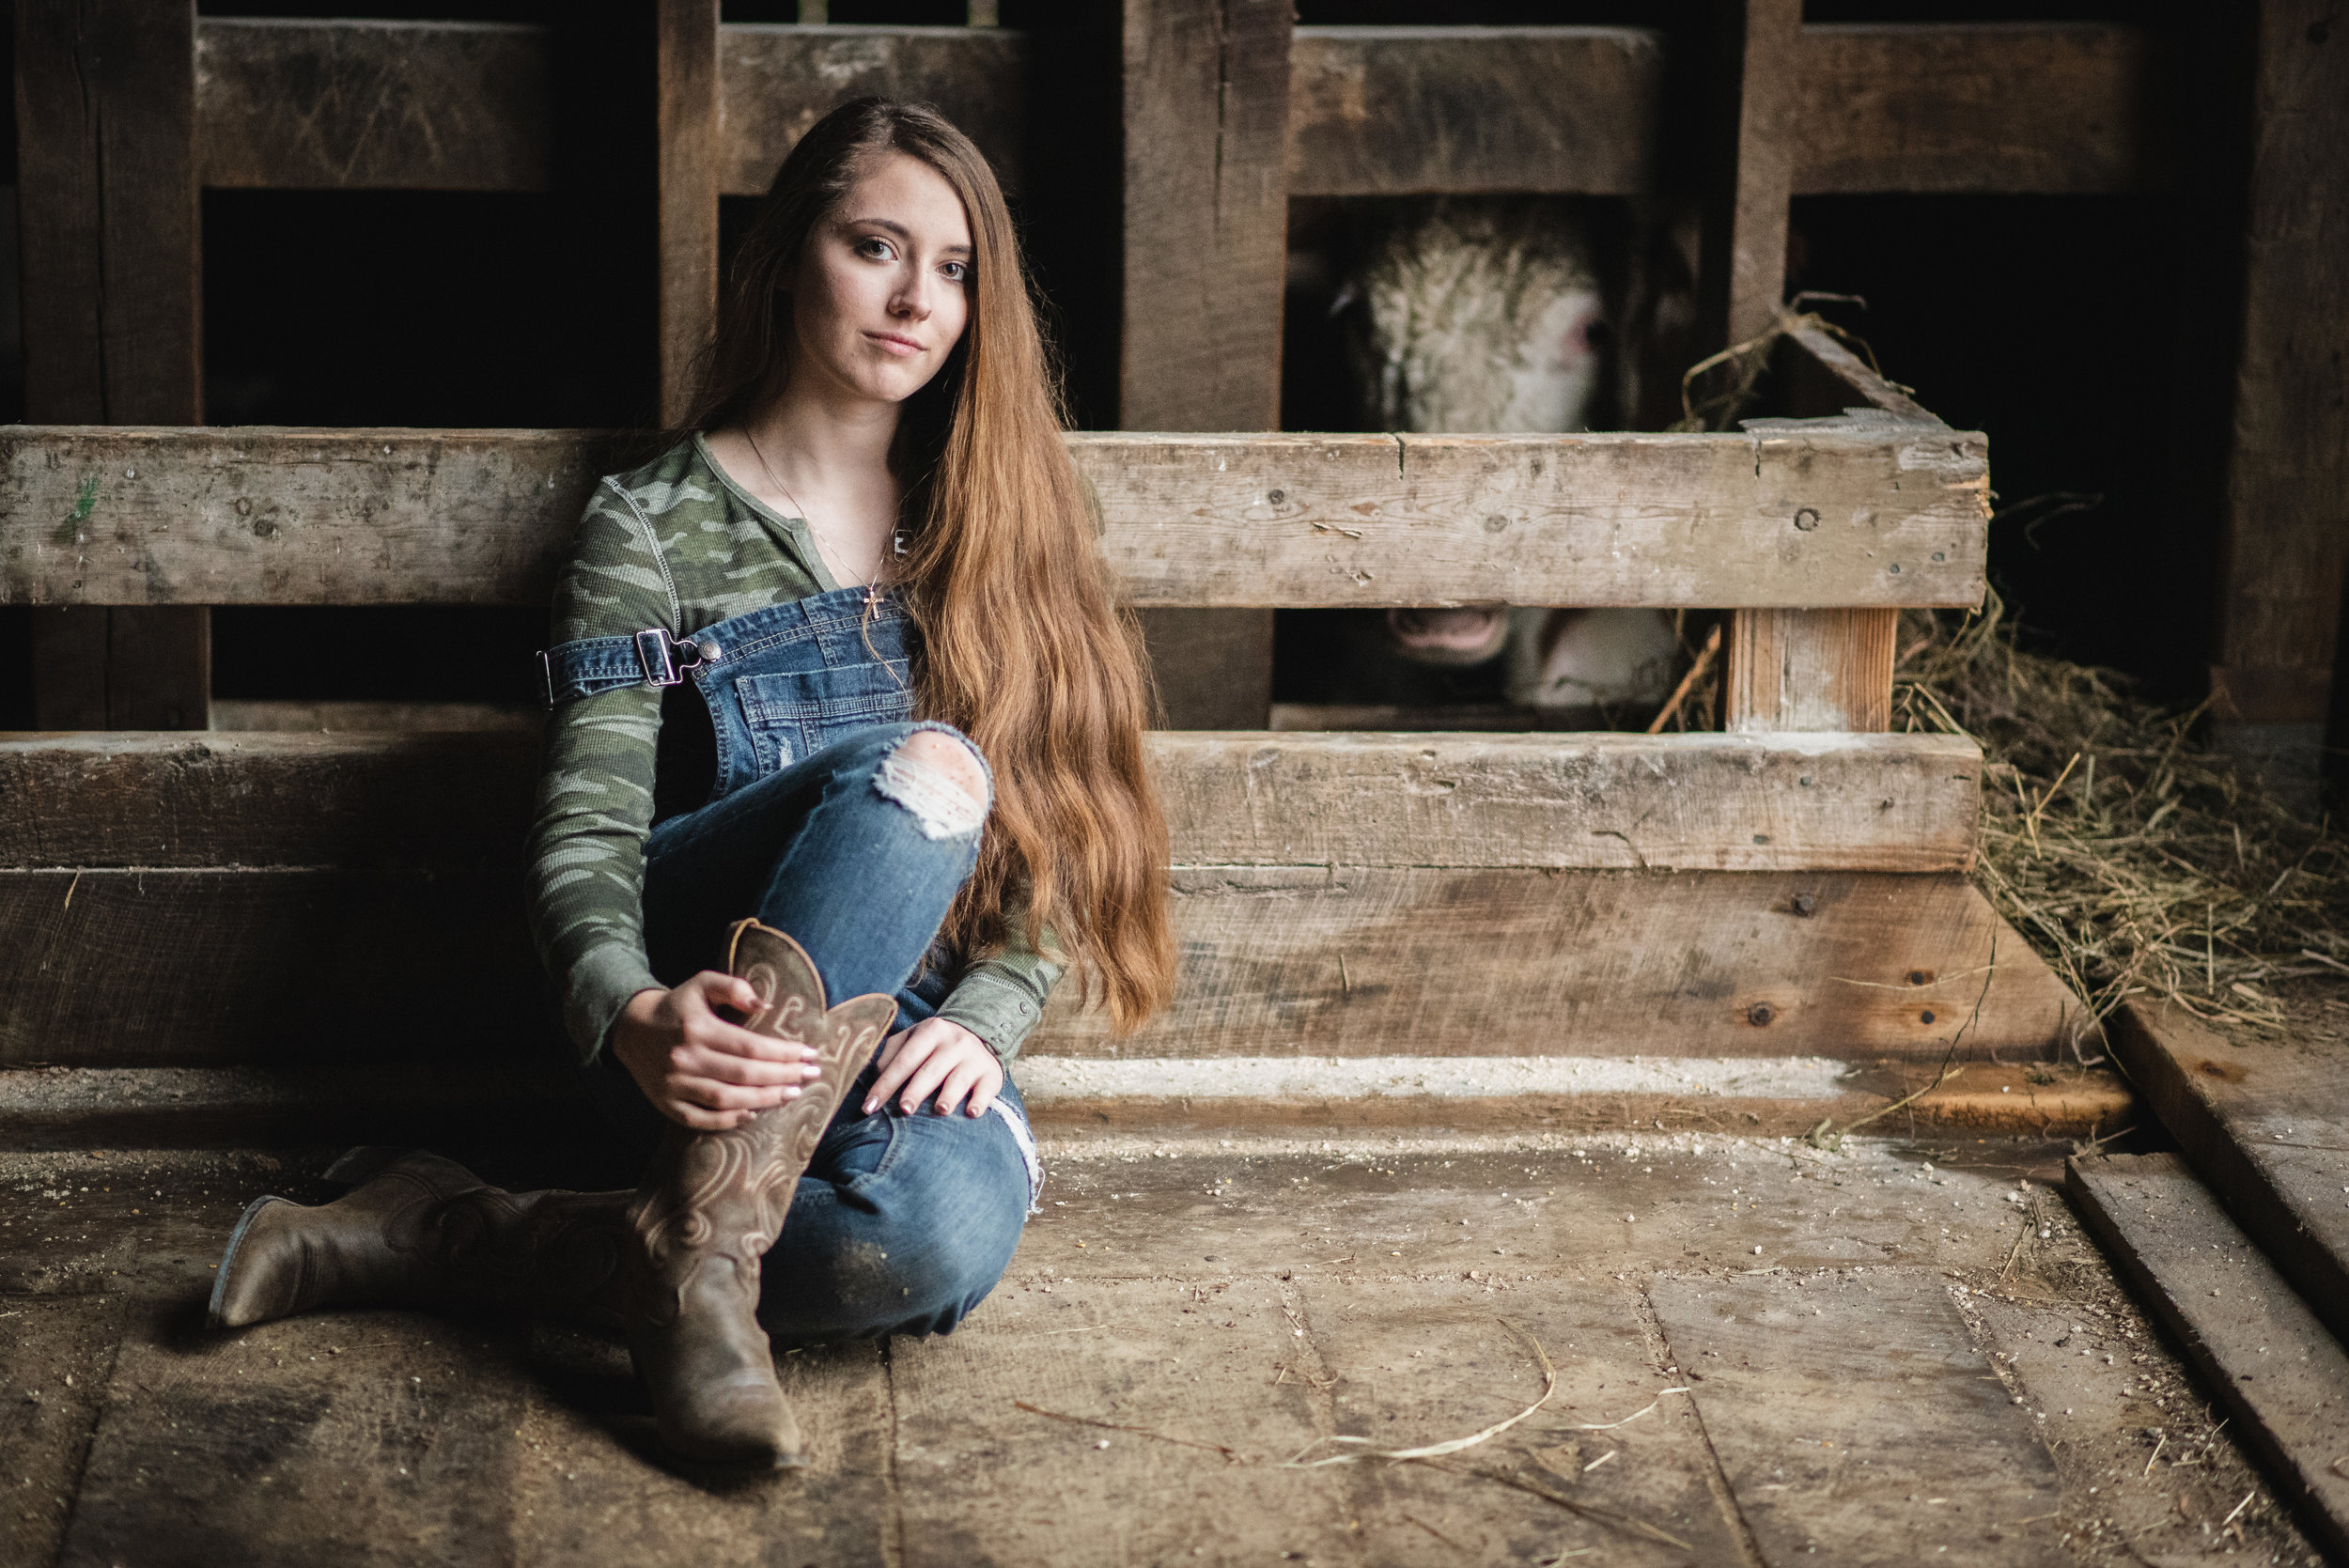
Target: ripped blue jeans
[(902, 1223)]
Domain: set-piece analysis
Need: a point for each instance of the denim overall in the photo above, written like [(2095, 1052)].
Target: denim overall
[(903, 1222)]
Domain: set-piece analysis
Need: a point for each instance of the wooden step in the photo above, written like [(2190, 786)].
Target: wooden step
[(2264, 1122), (308, 897), (2262, 1352)]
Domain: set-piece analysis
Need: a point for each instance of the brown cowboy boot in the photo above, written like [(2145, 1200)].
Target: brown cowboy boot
[(421, 1231), (713, 1204)]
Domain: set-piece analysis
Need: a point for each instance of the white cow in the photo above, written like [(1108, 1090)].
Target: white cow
[(1486, 315)]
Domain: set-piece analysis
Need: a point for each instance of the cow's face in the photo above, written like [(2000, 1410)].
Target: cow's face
[(1484, 315)]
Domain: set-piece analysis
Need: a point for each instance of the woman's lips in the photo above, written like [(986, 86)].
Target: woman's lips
[(894, 344)]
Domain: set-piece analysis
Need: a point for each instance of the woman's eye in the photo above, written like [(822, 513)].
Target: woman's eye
[(876, 248), (956, 271)]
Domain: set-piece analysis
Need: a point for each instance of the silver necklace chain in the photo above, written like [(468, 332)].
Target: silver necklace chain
[(813, 531)]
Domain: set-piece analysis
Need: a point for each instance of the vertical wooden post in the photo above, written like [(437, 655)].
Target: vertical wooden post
[(1785, 669), (1206, 119), (2287, 525), (687, 64), (1742, 251), (1810, 670), (109, 220)]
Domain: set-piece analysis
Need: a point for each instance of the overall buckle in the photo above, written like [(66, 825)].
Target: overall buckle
[(657, 651), (652, 652)]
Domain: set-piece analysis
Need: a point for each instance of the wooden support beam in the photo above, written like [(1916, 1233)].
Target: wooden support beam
[(1205, 111), (1810, 670), (686, 67), (1857, 515), (2287, 527), (2264, 1355), (107, 198), (1741, 269), (1402, 111)]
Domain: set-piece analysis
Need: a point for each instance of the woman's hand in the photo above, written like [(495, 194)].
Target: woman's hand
[(936, 1056), (699, 1070)]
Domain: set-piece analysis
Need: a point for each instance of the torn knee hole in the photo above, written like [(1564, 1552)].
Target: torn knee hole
[(940, 779)]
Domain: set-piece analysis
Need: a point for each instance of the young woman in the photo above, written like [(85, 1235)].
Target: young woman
[(842, 708)]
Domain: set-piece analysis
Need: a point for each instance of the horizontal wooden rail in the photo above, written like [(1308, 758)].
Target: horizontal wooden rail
[(1393, 110), (336, 105), (365, 105), (1694, 802), (171, 899), (2054, 107), (774, 82), (1843, 513)]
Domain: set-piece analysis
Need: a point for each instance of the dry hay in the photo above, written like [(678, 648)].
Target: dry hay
[(2136, 859)]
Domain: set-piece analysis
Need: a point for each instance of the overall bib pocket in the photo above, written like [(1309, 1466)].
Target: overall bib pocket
[(793, 714)]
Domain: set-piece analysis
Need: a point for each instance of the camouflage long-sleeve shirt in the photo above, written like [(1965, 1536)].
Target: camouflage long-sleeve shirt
[(675, 544)]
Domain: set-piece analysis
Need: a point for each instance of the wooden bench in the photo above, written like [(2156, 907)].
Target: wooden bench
[(1793, 888)]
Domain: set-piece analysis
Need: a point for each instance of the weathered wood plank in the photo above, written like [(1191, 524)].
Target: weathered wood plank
[(1504, 962), (357, 104), (1762, 1097), (2267, 1124), (2262, 1354), (1857, 1422), (1827, 374), (231, 966), (2062, 107), (1786, 516), (1741, 269), (983, 1481), (55, 1360), (588, 1500), (1205, 109), (2288, 475), (776, 81), (374, 1439), (1809, 669), (454, 799), (507, 1104), (159, 968), (1204, 102), (1819, 669), (690, 129), (516, 1104), (1419, 1360), (1398, 111), (111, 308), (108, 199), (1878, 803)]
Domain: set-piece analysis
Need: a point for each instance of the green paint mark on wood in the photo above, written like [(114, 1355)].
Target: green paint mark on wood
[(85, 501)]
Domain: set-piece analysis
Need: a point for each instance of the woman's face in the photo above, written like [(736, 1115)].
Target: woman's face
[(883, 291)]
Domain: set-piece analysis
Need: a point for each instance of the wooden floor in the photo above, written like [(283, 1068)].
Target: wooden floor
[(1763, 1355)]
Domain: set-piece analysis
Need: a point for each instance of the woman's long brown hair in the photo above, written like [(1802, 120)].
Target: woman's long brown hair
[(1023, 646)]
